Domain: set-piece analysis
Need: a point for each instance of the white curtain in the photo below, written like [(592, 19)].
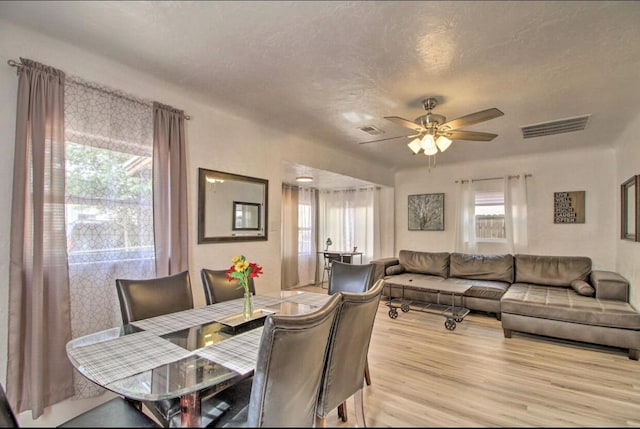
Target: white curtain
[(350, 218), (515, 213), (514, 190), (299, 226), (465, 232)]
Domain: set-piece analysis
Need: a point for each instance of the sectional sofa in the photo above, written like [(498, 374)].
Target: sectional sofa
[(555, 296)]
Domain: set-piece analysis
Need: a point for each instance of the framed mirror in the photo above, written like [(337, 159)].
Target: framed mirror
[(246, 216), (231, 207), (630, 209)]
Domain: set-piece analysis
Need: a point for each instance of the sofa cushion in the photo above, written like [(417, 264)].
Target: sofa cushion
[(434, 263), (551, 270), (564, 304), (481, 267), (583, 288), (487, 289)]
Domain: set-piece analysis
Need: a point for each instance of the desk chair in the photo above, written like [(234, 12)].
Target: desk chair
[(142, 299), (353, 279), (116, 412), (347, 354), (329, 258), (288, 372), (217, 288)]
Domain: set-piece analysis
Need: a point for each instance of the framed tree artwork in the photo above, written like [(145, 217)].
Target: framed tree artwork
[(426, 212)]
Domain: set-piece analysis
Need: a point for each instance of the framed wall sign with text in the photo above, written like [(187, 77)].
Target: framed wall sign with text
[(568, 207)]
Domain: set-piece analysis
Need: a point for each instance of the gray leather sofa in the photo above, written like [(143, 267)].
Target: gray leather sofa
[(489, 276), (556, 296)]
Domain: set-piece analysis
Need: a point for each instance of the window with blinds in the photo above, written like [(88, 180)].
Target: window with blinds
[(489, 214)]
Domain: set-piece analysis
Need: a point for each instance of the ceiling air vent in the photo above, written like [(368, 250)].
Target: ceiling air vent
[(555, 127), (371, 130)]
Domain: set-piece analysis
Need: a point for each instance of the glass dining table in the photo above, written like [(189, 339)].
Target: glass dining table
[(184, 353)]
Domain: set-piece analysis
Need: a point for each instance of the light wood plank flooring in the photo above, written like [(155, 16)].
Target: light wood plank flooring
[(426, 376)]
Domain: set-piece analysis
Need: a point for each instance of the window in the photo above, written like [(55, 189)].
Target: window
[(108, 201), (489, 214), (305, 228)]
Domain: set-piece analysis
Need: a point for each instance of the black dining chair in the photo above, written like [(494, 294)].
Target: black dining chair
[(347, 354), (116, 412), (218, 289), (288, 371), (142, 299), (329, 259)]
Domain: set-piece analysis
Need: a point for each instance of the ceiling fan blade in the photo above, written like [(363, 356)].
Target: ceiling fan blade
[(405, 123), (389, 138), (472, 118), (470, 135)]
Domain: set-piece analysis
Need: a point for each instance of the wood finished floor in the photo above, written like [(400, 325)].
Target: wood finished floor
[(426, 376)]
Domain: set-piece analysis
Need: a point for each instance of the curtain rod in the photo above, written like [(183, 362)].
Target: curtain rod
[(77, 81), (492, 178)]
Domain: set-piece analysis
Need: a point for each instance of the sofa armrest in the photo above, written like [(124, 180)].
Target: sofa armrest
[(610, 285), (381, 266)]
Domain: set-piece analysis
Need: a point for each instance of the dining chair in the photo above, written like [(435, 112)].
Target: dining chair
[(329, 258), (288, 371), (352, 278), (116, 412), (142, 299), (347, 354), (217, 288)]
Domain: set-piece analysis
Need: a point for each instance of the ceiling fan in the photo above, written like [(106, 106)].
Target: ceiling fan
[(433, 132)]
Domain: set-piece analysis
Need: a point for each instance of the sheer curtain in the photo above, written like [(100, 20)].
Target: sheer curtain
[(38, 371), (465, 232), (515, 213), (299, 226), (514, 191), (350, 219), (109, 211), (170, 191)]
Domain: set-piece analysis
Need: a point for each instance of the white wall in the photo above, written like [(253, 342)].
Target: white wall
[(628, 164), (592, 171), (213, 139)]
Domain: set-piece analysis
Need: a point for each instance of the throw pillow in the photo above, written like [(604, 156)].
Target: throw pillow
[(394, 269), (583, 288)]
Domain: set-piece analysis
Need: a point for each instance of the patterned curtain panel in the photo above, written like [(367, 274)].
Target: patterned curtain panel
[(109, 203)]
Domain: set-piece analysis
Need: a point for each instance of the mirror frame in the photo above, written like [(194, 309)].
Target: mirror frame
[(242, 205), (627, 199), (202, 215)]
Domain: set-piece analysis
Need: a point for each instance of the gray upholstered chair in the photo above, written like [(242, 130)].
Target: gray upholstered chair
[(356, 279), (347, 353), (288, 372), (116, 412), (217, 288), (142, 299), (350, 277)]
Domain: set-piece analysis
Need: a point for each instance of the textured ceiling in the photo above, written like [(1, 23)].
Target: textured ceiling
[(324, 69)]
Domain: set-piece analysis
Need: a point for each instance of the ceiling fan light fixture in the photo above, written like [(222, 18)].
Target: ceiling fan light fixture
[(443, 143), (304, 179), (431, 150), (415, 145), (428, 143)]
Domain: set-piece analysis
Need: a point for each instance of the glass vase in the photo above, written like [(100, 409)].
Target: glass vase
[(247, 306)]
